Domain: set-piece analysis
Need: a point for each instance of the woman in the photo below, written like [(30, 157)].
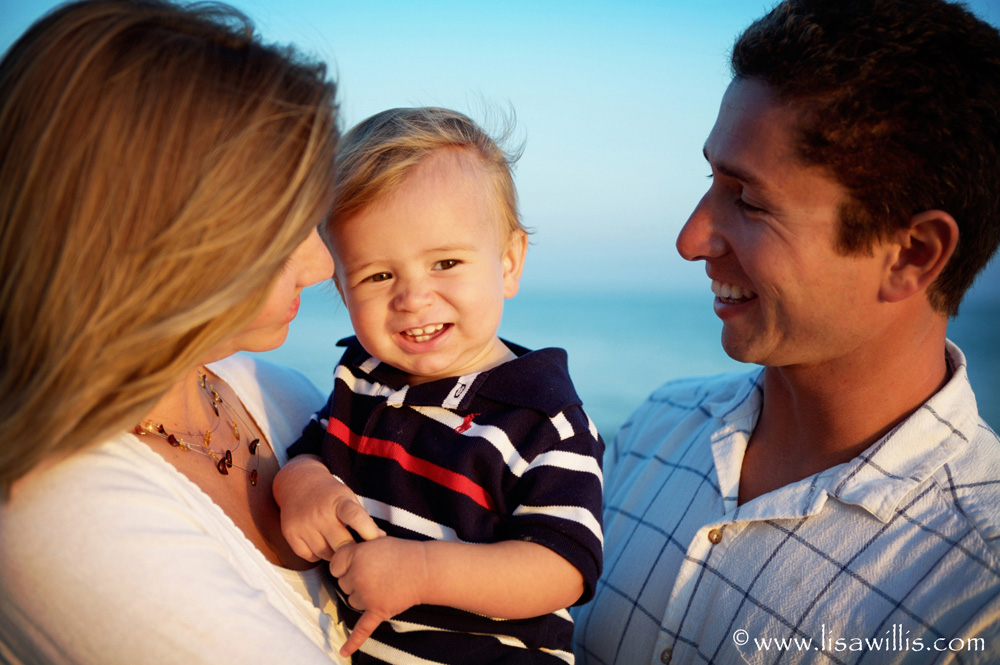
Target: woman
[(162, 174)]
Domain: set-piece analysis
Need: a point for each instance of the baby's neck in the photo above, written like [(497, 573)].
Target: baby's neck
[(501, 355)]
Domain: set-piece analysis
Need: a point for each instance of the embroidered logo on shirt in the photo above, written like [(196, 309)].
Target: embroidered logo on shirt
[(466, 423)]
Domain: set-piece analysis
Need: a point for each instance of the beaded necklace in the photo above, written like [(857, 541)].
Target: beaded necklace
[(223, 459)]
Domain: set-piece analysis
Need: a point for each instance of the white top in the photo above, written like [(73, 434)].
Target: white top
[(892, 557), (114, 556)]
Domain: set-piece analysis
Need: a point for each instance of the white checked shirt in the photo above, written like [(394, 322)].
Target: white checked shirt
[(893, 557)]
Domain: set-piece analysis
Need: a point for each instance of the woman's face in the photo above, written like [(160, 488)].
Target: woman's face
[(309, 263)]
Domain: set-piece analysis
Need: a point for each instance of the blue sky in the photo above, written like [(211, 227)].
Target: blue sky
[(612, 100)]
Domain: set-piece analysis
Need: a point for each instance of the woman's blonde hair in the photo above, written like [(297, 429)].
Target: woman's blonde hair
[(377, 154), (158, 165)]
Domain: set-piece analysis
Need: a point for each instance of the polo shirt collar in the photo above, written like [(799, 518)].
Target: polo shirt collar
[(877, 480), (537, 380)]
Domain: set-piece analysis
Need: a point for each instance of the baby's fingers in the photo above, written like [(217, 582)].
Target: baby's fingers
[(309, 543), (365, 626), (340, 563), (306, 551), (351, 514)]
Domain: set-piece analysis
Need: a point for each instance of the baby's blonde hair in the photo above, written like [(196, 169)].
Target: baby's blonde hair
[(158, 165), (377, 154)]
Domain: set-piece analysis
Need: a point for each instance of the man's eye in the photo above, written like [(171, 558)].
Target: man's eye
[(746, 207), (447, 264), (378, 277)]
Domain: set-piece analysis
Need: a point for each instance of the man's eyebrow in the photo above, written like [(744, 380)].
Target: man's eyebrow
[(732, 171)]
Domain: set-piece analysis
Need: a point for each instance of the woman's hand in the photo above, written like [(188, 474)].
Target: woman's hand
[(317, 509)]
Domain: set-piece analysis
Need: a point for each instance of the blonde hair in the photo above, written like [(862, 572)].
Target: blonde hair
[(377, 154), (158, 165)]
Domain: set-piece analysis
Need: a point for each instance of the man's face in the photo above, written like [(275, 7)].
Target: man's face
[(767, 231)]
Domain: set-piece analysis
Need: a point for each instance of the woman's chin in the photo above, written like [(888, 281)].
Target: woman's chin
[(255, 341)]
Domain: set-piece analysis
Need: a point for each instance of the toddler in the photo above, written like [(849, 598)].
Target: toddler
[(473, 455)]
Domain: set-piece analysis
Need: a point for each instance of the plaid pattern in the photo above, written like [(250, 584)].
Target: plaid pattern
[(885, 559)]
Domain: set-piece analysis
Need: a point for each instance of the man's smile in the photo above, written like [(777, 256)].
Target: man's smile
[(731, 294)]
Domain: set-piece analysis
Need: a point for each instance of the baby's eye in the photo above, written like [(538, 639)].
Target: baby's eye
[(378, 277), (447, 264)]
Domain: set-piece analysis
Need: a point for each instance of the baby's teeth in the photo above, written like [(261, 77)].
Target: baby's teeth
[(424, 332)]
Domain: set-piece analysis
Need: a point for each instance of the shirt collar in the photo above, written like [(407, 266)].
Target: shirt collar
[(941, 428), (535, 379), (878, 479)]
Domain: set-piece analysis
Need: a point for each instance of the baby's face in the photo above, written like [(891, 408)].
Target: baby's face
[(425, 272)]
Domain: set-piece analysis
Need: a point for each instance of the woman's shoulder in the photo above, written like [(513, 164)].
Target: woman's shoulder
[(89, 495), (280, 399), (274, 381), (82, 527), (114, 537)]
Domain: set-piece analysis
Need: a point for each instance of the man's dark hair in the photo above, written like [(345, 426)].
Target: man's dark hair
[(900, 99)]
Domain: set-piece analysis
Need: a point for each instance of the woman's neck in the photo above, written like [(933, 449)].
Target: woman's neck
[(185, 407)]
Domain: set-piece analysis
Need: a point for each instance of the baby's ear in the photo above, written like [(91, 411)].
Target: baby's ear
[(513, 262)]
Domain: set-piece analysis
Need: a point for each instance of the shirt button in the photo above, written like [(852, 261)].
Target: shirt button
[(665, 656), (715, 536)]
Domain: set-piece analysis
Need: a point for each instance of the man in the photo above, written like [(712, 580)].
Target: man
[(842, 504)]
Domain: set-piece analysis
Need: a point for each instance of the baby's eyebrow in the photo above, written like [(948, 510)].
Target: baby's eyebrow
[(364, 267), (449, 248)]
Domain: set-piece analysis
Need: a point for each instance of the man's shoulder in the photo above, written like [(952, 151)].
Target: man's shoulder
[(699, 388), (709, 396), (970, 481), (679, 407)]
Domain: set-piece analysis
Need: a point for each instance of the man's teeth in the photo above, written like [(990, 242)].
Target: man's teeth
[(423, 334), (727, 291)]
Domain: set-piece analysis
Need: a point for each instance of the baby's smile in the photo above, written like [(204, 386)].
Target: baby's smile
[(425, 333)]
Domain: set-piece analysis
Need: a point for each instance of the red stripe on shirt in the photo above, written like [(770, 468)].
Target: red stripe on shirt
[(394, 451)]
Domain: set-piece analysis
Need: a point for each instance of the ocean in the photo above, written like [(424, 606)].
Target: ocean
[(622, 346)]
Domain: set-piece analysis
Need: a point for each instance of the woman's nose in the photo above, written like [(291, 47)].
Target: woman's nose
[(316, 261)]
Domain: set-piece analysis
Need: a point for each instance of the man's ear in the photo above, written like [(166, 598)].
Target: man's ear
[(513, 262), (921, 251)]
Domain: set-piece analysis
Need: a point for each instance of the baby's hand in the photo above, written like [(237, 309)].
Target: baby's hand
[(316, 510), (382, 578)]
